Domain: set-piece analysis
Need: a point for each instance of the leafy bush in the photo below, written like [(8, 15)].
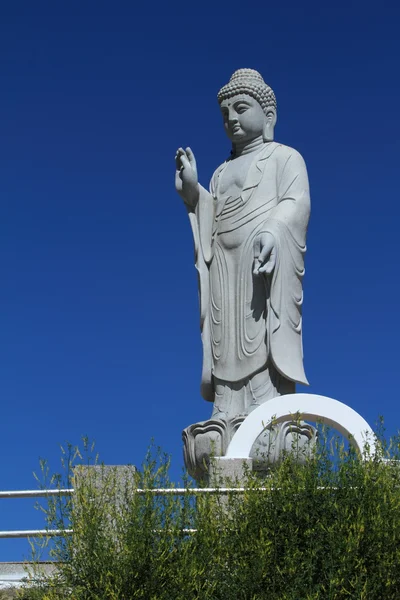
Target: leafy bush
[(328, 529)]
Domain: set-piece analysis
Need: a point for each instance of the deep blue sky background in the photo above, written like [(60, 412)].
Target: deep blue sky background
[(98, 294)]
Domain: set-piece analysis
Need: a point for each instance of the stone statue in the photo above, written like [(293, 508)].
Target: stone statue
[(250, 238)]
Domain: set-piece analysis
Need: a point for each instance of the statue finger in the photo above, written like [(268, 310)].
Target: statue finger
[(180, 152), (178, 162), (264, 254), (184, 161), (191, 158), (257, 265), (257, 247), (268, 267)]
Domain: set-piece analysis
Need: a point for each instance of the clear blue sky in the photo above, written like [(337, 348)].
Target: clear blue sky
[(98, 294)]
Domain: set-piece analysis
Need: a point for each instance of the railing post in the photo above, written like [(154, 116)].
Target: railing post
[(229, 471)]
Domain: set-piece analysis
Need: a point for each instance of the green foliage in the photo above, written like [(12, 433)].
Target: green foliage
[(325, 530)]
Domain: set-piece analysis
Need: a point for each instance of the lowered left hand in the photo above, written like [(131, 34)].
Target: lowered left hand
[(264, 254)]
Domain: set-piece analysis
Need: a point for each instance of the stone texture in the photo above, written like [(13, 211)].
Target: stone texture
[(211, 439), (112, 480), (229, 471), (249, 234)]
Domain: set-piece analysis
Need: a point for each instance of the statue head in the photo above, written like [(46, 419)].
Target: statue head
[(248, 106)]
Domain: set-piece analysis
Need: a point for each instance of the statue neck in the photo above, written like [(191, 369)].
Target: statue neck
[(241, 148)]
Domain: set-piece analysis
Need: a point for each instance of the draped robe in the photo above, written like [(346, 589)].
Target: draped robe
[(247, 321)]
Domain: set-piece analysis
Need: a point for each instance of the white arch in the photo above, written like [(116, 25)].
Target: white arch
[(309, 406)]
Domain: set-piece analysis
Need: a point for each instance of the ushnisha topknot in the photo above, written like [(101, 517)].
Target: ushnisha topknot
[(249, 81)]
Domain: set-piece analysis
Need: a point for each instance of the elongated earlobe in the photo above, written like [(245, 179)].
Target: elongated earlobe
[(268, 132)]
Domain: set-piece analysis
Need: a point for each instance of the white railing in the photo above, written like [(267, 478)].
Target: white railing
[(36, 493), (27, 533), (141, 491)]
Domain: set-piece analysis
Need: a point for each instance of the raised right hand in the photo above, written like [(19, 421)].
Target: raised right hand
[(186, 181)]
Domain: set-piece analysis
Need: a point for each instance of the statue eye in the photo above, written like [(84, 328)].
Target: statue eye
[(241, 108)]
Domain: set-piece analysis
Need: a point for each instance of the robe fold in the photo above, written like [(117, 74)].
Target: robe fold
[(250, 321)]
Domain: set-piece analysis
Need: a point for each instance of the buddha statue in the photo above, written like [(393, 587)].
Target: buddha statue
[(249, 234)]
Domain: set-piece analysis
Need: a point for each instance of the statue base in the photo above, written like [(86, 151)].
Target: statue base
[(210, 439), (229, 471)]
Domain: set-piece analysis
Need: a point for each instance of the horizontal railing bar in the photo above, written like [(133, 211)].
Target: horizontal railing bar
[(140, 491), (193, 491), (35, 533), (36, 493), (152, 491), (54, 533)]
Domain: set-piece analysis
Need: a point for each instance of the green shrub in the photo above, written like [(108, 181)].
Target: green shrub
[(328, 529)]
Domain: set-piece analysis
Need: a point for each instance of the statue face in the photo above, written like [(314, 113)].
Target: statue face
[(244, 119)]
